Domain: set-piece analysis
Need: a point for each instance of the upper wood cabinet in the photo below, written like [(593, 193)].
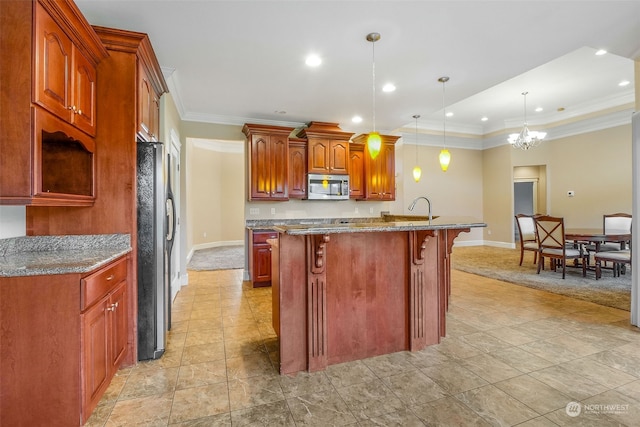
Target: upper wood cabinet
[(356, 171), (64, 77), (327, 148), (148, 107), (268, 161), (48, 82), (379, 173), (297, 168)]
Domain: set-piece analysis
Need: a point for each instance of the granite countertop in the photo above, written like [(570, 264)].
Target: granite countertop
[(46, 255), (380, 226)]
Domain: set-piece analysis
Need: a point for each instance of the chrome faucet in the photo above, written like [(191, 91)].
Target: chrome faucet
[(413, 205)]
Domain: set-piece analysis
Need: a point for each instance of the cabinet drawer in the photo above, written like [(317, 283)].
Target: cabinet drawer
[(263, 236), (98, 284)]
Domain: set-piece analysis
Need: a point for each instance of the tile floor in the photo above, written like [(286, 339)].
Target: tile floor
[(512, 356)]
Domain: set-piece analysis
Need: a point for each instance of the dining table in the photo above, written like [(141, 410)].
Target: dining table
[(597, 236)]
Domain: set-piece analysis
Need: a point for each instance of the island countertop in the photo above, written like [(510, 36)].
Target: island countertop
[(45, 255), (380, 226)]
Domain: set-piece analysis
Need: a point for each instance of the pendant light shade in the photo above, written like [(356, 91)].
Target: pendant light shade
[(445, 156), (374, 143), (417, 172), (445, 159)]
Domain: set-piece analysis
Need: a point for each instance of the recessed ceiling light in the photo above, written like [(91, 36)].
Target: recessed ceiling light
[(313, 60), (449, 114), (484, 119), (539, 109), (601, 52), (356, 119), (560, 109), (624, 83), (280, 112), (389, 87)]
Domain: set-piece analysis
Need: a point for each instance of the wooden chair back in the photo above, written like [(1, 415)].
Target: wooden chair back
[(550, 232)]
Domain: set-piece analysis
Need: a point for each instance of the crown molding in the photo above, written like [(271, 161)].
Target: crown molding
[(218, 145)]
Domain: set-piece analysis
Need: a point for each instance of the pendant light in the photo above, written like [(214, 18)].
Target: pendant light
[(445, 156), (374, 142), (417, 172)]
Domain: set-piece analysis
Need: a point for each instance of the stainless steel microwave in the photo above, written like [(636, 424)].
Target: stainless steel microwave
[(327, 187)]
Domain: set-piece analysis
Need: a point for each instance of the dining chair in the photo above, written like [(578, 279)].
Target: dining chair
[(615, 223), (618, 259), (551, 244), (527, 231)]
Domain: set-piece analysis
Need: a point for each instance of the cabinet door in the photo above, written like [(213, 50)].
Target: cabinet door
[(261, 262), (145, 101), (356, 174), (96, 366), (52, 65), (319, 155), (260, 167), (118, 325), (279, 161), (83, 84), (297, 171), (388, 172), (339, 157)]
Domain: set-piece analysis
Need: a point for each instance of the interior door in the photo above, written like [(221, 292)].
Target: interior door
[(523, 201)]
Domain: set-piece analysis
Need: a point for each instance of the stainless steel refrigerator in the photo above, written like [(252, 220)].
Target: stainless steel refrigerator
[(156, 229)]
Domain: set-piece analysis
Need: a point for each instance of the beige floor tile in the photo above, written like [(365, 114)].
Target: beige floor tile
[(220, 366)]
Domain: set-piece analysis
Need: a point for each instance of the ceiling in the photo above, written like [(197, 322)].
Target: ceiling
[(244, 61)]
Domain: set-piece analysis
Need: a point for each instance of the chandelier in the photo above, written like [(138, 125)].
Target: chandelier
[(526, 139)]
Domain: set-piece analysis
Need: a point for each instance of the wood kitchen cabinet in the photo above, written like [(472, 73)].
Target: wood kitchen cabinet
[(268, 161), (104, 331), (327, 148), (297, 168), (356, 171), (260, 257), (148, 107), (64, 78), (379, 173), (64, 337), (48, 81)]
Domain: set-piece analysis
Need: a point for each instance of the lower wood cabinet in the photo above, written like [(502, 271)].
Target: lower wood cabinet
[(104, 331), (62, 339), (260, 258)]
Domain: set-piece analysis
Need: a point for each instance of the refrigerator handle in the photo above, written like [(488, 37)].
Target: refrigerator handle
[(171, 215)]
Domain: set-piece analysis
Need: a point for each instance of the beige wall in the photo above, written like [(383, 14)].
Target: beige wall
[(595, 165), (497, 194)]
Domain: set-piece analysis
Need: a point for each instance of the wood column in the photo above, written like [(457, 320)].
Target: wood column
[(423, 327), (317, 302)]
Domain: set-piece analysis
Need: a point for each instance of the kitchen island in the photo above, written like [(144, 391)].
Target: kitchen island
[(344, 292)]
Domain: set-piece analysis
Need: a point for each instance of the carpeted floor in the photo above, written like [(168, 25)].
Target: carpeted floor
[(502, 264), (220, 258)]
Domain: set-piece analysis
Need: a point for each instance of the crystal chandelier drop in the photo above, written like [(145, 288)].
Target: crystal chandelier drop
[(526, 139)]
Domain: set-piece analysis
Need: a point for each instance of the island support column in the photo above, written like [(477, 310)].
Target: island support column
[(317, 302)]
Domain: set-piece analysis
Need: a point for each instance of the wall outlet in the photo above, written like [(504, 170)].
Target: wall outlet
[(356, 210), (204, 234), (273, 211), (254, 211), (571, 193), (370, 210)]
